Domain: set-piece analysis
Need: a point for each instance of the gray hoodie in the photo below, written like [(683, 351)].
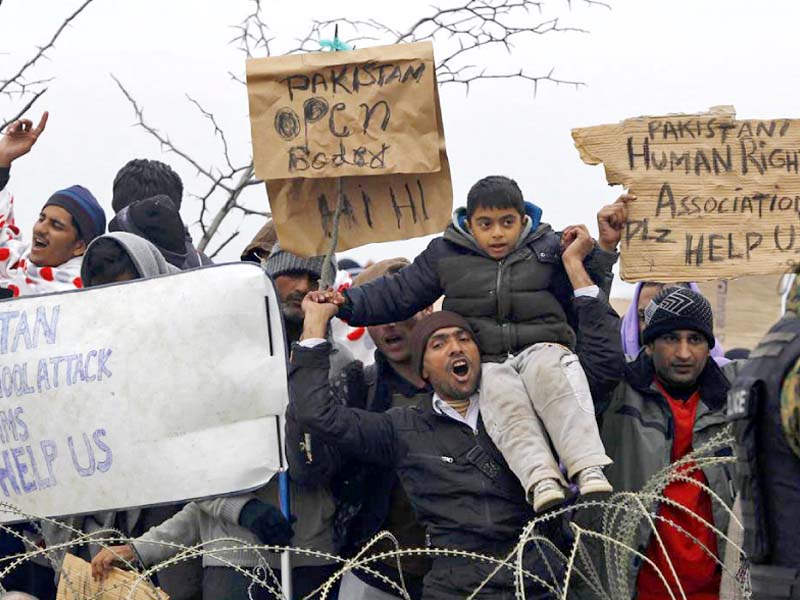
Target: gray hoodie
[(147, 259)]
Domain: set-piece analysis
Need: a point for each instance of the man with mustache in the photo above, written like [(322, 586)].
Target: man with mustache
[(672, 401), (459, 484)]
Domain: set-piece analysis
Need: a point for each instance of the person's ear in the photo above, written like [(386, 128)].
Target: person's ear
[(649, 348), (428, 310), (79, 248)]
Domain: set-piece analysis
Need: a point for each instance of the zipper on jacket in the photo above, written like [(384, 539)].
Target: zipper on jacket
[(497, 287), (446, 459), (731, 487), (504, 327)]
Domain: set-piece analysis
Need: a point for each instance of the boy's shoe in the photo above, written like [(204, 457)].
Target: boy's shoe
[(592, 481), (546, 494)]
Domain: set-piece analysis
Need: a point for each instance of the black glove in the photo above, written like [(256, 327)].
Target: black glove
[(267, 522)]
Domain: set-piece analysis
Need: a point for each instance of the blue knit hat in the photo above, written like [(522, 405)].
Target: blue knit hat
[(89, 217)]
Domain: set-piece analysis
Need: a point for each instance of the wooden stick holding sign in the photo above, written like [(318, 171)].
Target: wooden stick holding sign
[(717, 197), (328, 275)]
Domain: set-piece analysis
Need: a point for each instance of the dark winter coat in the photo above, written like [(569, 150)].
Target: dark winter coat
[(637, 429), (510, 304), (461, 488)]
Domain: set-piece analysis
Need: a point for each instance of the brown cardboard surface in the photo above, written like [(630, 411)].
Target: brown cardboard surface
[(376, 209), (76, 583), (353, 113), (717, 197)]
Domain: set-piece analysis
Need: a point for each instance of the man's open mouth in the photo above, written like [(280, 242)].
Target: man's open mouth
[(39, 243), (460, 368)]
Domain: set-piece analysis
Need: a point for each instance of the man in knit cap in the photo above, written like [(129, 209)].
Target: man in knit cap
[(671, 401), (294, 277), (462, 489), (67, 223)]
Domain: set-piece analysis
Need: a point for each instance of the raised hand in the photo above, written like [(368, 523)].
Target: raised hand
[(611, 221), (318, 310), (19, 138), (576, 242)]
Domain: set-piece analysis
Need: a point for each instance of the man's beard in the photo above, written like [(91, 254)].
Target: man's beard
[(293, 320), (443, 388)]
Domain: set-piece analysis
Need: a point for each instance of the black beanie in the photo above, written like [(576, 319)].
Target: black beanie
[(676, 308), (426, 327), (156, 220)]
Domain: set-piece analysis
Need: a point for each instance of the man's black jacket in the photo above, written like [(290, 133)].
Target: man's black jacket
[(461, 488)]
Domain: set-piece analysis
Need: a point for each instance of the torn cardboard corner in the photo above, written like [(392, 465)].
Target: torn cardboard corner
[(343, 114), (717, 197), (76, 583)]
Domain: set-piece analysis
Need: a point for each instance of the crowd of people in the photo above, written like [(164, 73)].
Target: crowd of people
[(455, 428)]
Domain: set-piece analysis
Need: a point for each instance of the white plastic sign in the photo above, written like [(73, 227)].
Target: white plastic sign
[(141, 393)]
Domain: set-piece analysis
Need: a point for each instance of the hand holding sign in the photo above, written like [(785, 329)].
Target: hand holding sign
[(611, 221), (77, 583)]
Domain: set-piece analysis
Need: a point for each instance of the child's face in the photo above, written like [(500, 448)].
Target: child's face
[(496, 230)]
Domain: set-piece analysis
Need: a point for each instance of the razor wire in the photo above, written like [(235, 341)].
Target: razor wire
[(607, 539)]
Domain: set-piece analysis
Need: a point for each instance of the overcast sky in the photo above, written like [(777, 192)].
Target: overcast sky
[(640, 57)]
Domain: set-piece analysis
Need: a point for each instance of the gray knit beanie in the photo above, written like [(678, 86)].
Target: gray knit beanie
[(281, 262)]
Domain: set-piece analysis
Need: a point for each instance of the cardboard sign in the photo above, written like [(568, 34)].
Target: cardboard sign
[(76, 583), (374, 209), (141, 393), (334, 114), (717, 197)]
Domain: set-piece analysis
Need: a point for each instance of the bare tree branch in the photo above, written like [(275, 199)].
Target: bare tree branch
[(231, 237), (24, 109), (245, 179), (467, 80), (217, 130), (6, 83), (18, 85), (165, 142), (252, 33)]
